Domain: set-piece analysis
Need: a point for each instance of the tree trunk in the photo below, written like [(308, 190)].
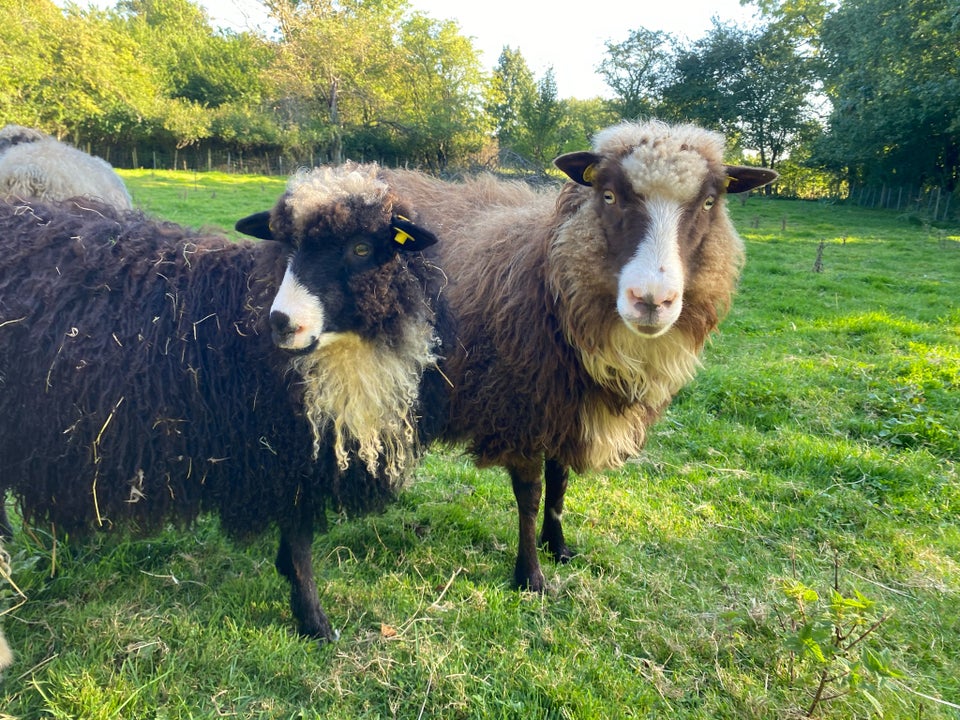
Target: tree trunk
[(336, 143)]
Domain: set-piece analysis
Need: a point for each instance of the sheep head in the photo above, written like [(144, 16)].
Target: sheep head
[(655, 192), (344, 229)]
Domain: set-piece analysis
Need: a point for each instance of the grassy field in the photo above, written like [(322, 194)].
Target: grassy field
[(788, 544)]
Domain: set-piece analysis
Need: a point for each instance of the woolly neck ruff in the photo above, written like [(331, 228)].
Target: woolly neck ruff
[(367, 391)]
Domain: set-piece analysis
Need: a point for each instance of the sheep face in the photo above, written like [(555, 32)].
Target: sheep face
[(343, 238), (323, 290), (655, 191)]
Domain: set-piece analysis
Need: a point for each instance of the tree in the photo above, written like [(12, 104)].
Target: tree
[(541, 119), (750, 83), (71, 73), (437, 99), (335, 63), (893, 77), (511, 88), (637, 70), (198, 69)]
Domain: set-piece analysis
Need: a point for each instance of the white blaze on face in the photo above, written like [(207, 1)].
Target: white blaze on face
[(303, 309), (650, 284)]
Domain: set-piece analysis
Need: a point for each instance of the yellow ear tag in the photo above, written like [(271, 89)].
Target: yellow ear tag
[(401, 237), (590, 173), (729, 180)]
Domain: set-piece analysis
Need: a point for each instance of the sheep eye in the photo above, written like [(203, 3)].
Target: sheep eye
[(609, 197), (362, 249), (709, 202)]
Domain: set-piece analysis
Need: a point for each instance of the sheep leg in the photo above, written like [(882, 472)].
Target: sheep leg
[(556, 475), (295, 562), (527, 489), (6, 529)]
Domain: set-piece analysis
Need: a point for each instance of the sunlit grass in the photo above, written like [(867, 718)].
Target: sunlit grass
[(822, 429), (195, 199)]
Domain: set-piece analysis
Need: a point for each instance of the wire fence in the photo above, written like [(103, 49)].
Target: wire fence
[(932, 203), (200, 159)]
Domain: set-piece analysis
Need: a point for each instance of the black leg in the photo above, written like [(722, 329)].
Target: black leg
[(527, 488), (6, 529), (551, 535), (295, 562)]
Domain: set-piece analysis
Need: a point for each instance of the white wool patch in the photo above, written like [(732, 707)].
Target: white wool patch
[(368, 392), (304, 309), (309, 189), (610, 438), (50, 170), (655, 272), (660, 159)]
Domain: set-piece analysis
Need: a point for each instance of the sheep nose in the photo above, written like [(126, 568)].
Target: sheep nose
[(650, 302), (282, 327)]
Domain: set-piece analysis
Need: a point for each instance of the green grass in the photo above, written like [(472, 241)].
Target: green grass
[(200, 200), (820, 439)]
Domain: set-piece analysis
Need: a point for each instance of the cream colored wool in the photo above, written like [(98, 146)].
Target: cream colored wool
[(39, 166), (368, 391)]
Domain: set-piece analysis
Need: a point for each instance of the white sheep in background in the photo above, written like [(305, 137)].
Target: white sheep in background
[(34, 165)]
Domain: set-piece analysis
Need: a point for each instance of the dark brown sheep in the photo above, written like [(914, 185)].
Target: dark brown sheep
[(139, 384)]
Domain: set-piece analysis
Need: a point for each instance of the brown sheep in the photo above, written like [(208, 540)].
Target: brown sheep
[(578, 317)]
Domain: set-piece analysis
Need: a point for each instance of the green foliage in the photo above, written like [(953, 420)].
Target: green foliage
[(438, 102), (828, 641), (511, 88), (893, 72), (836, 94), (534, 125), (638, 69), (751, 83), (353, 79)]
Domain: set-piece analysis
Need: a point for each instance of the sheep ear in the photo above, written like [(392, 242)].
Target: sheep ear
[(579, 166), (741, 178), (410, 237), (256, 225)]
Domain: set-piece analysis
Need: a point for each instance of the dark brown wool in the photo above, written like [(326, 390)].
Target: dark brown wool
[(147, 387), (139, 384)]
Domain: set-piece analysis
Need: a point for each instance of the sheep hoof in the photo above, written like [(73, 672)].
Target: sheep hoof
[(558, 549), (325, 634), (532, 580)]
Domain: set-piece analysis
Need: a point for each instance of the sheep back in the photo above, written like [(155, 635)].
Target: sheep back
[(34, 165)]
